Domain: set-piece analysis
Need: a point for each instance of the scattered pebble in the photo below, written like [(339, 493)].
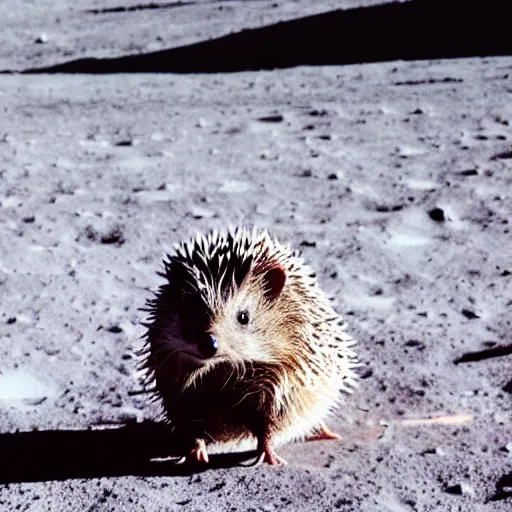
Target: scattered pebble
[(383, 208), (437, 215), (271, 119), (112, 236), (366, 373), (125, 143), (416, 344), (469, 314), (41, 39), (502, 156), (318, 113), (460, 489), (115, 236)]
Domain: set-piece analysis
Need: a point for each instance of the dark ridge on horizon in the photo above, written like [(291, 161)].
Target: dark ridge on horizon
[(140, 7), (40, 456), (414, 30)]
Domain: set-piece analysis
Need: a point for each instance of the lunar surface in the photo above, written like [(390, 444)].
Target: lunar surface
[(394, 179)]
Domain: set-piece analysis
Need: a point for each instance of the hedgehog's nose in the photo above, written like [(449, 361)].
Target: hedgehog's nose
[(209, 345)]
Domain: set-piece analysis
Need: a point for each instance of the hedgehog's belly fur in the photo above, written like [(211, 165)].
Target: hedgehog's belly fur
[(226, 406)]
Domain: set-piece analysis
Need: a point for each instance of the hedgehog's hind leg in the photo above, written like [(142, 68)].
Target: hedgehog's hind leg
[(266, 452), (323, 434), (199, 452)]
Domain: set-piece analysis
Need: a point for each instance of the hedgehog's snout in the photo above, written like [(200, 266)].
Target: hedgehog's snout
[(208, 345)]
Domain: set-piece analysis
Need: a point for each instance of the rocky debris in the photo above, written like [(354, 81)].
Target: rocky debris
[(437, 215), (110, 236), (469, 314), (498, 351), (460, 489), (278, 118), (41, 39)]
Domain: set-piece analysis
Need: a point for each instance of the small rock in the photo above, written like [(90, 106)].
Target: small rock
[(115, 329), (43, 38), (307, 173), (318, 113), (115, 236), (469, 314), (415, 343), (437, 215), (460, 489), (366, 373), (124, 143), (333, 176), (29, 219), (271, 119), (11, 320)]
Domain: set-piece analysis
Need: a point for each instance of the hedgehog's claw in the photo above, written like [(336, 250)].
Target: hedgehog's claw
[(199, 452), (268, 454), (324, 434)]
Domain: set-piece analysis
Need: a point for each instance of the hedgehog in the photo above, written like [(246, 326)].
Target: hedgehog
[(242, 346)]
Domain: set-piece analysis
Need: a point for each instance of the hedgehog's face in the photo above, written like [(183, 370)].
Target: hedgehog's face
[(239, 326), (246, 325)]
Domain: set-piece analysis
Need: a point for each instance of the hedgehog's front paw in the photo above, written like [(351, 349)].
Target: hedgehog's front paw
[(199, 452)]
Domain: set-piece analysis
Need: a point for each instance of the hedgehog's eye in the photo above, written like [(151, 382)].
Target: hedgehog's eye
[(243, 317)]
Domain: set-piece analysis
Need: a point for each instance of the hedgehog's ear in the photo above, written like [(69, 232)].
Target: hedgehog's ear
[(274, 280)]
